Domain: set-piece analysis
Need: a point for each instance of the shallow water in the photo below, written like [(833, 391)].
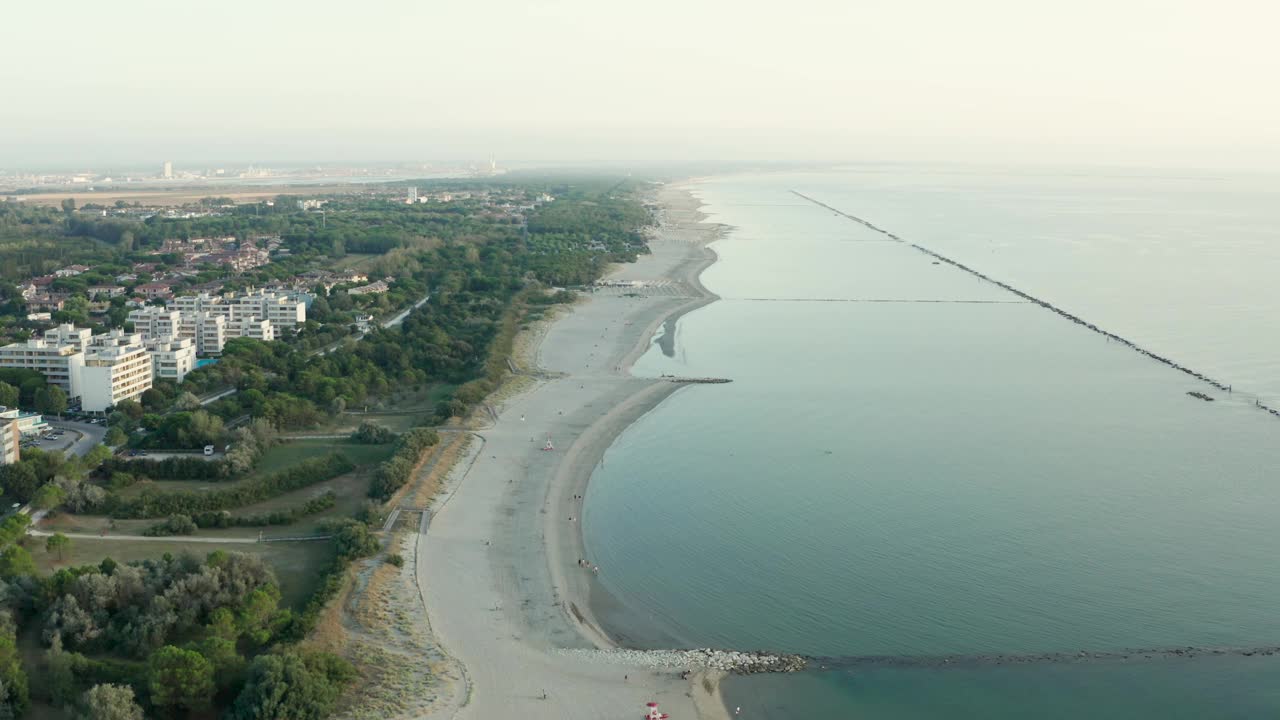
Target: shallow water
[(913, 462)]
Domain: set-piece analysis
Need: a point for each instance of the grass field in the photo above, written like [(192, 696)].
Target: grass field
[(400, 413), (297, 564), (277, 458)]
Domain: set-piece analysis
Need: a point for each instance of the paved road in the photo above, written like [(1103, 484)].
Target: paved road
[(161, 455), (87, 437), (165, 538), (218, 396), (400, 318)]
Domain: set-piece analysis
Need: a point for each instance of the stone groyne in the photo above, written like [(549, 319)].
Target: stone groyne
[(729, 661), (1031, 298), (1078, 657)]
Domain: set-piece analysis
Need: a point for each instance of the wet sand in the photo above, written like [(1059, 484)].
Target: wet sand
[(498, 565)]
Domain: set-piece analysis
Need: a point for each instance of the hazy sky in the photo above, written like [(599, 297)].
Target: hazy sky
[(93, 82)]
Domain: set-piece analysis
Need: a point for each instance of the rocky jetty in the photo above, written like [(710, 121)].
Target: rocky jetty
[(730, 661)]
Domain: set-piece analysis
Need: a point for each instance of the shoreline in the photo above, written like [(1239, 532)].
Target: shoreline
[(498, 570)]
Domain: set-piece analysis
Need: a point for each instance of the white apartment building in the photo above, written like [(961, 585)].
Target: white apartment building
[(10, 442), (258, 329), (68, 334), (209, 331), (155, 322), (116, 367), (171, 358), (285, 313), (60, 362)]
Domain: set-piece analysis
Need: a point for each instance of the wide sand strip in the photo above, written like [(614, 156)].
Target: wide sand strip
[(498, 565)]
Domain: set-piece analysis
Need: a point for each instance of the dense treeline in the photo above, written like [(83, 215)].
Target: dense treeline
[(225, 519), (160, 638), (150, 503), (170, 468), (394, 473)]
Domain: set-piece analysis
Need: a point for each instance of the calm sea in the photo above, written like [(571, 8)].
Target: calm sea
[(912, 462)]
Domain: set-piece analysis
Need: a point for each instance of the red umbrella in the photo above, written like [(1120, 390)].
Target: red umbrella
[(651, 704)]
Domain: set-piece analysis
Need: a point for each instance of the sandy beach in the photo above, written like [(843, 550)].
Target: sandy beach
[(498, 565)]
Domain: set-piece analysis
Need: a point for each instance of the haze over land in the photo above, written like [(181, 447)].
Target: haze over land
[(576, 81)]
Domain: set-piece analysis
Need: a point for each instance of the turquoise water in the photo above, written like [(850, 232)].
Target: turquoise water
[(912, 462)]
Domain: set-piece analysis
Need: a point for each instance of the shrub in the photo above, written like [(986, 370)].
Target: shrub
[(177, 524), (156, 504)]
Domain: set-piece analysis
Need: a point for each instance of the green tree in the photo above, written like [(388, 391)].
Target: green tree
[(16, 562), (13, 678), (290, 686), (59, 674), (221, 654), (51, 400), (109, 702), (180, 679), (8, 395), (48, 497), (57, 543), (131, 408), (115, 437), (19, 480)]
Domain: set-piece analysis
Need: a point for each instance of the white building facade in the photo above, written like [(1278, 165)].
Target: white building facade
[(171, 358), (116, 367)]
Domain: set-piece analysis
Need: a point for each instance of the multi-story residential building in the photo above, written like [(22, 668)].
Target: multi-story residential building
[(68, 334), (171, 358), (60, 362), (256, 328), (201, 302), (116, 367), (155, 322), (209, 331), (285, 313), (10, 442)]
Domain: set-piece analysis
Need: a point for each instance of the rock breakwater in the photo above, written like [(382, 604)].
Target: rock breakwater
[(730, 661)]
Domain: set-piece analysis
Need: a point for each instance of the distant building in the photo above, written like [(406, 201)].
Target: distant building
[(412, 196), (372, 288), (107, 290), (168, 169), (154, 290)]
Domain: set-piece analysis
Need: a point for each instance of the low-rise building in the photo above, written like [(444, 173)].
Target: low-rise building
[(154, 290), (29, 423), (372, 288), (106, 290)]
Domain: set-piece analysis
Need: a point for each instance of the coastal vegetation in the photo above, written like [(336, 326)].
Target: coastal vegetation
[(119, 614)]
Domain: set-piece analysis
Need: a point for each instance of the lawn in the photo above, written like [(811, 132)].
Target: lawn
[(404, 411), (277, 458), (297, 564)]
